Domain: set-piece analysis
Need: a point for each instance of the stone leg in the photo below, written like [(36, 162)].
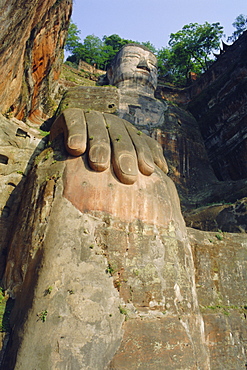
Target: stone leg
[(90, 257)]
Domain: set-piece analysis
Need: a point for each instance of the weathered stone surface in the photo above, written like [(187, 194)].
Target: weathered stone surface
[(82, 329), (102, 99), (220, 272), (134, 68), (143, 111), (79, 268), (93, 267), (234, 217), (174, 128), (153, 200), (189, 165), (226, 338), (185, 151), (85, 67), (158, 343), (219, 105), (134, 72), (19, 146), (32, 38), (230, 218), (220, 260), (217, 101)]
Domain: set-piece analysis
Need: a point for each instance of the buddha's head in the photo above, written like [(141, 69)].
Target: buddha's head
[(134, 66)]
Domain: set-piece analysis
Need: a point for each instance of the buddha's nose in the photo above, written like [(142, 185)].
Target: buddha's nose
[(143, 65)]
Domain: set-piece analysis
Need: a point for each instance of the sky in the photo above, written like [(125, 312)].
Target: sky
[(152, 20)]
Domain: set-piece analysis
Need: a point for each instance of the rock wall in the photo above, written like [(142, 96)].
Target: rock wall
[(207, 152), (219, 103), (187, 158), (220, 272), (19, 144), (32, 40), (76, 275), (93, 290), (125, 286)]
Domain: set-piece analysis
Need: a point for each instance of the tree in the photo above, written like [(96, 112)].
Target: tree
[(164, 62), (92, 50), (241, 25), (73, 38), (111, 45), (196, 42), (115, 41), (190, 50), (150, 46)]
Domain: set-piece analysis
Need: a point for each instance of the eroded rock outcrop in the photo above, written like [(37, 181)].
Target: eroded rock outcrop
[(219, 105), (86, 261), (172, 126), (217, 101), (96, 268), (32, 40), (19, 146), (220, 270)]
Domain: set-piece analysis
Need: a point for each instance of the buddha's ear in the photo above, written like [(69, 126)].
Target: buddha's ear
[(109, 73)]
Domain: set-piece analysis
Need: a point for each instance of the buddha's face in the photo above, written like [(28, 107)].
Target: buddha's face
[(135, 65)]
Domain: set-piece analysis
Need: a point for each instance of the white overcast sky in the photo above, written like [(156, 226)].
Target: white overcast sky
[(152, 20)]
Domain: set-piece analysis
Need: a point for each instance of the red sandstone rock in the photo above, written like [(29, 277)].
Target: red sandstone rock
[(32, 40)]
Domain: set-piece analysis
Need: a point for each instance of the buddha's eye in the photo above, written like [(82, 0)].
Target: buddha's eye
[(132, 57)]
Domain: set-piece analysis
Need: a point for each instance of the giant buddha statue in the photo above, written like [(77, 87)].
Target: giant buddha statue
[(134, 72), (103, 239)]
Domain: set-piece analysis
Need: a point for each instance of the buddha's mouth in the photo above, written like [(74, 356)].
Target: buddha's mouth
[(143, 69)]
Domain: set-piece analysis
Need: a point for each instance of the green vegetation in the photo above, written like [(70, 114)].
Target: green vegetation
[(76, 76), (225, 309), (219, 235), (9, 113), (93, 50), (124, 311), (49, 106), (73, 38), (48, 290), (240, 24), (110, 270), (43, 133), (44, 156), (117, 284), (5, 309), (189, 51), (42, 315)]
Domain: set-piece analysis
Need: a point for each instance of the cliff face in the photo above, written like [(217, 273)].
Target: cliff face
[(219, 103), (96, 267), (207, 152), (80, 276), (32, 39)]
